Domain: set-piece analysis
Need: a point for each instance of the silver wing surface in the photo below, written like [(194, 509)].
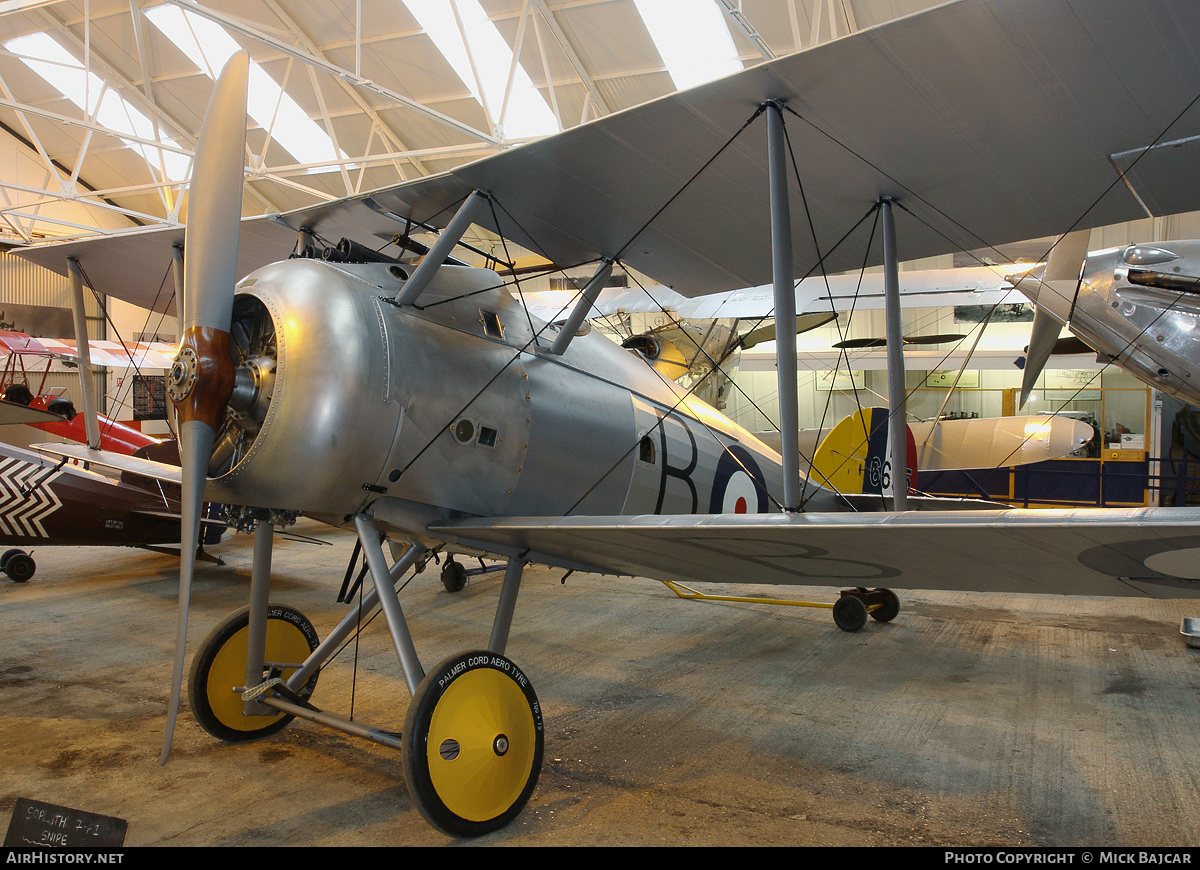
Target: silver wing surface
[(928, 288), (988, 121), (1137, 551)]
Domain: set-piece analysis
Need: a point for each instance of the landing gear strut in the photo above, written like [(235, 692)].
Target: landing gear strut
[(472, 741)]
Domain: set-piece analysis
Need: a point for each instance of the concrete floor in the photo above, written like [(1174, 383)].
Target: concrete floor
[(973, 719)]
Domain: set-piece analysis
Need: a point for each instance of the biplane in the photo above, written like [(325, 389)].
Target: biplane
[(64, 421), (419, 401), (53, 503), (45, 503)]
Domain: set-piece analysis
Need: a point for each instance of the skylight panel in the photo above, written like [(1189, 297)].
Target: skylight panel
[(692, 40), (87, 91), (208, 46), (526, 115)]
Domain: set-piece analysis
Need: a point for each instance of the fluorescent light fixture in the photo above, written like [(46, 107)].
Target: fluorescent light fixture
[(208, 46), (62, 71), (692, 40), (526, 115)]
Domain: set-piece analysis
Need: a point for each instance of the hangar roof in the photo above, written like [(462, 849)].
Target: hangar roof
[(103, 99)]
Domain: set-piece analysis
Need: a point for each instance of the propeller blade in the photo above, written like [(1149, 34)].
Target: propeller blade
[(804, 322), (195, 447), (1042, 341), (215, 202), (853, 343), (944, 338), (1063, 269), (201, 379)]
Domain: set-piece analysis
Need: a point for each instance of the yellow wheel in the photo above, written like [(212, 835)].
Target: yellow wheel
[(472, 745), (220, 665)]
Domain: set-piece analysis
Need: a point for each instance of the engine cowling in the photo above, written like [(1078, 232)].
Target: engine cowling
[(311, 419)]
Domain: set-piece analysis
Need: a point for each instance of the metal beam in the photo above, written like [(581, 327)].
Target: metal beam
[(178, 130), (331, 68), (748, 30), (567, 49), (311, 47)]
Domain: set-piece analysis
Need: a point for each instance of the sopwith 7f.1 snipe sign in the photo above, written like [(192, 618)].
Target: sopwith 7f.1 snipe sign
[(35, 823)]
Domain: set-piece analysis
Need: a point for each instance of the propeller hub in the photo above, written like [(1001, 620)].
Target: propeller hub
[(202, 377), (183, 374)]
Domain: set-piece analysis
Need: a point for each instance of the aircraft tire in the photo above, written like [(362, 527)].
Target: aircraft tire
[(849, 613), (19, 567), (890, 607), (221, 664), (454, 576), (472, 744), (7, 555)]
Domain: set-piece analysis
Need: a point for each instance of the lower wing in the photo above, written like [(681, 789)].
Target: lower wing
[(1137, 551)]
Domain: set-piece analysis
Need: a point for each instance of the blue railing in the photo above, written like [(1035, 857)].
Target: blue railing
[(1073, 483)]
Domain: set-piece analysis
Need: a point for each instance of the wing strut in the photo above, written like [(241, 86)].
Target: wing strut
[(582, 308), (459, 224), (897, 398), (87, 377), (177, 273), (785, 307)]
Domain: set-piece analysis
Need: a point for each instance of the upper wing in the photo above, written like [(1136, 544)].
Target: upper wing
[(1082, 551), (988, 121), (112, 354), (928, 288)]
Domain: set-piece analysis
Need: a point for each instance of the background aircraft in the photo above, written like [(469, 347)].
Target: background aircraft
[(701, 341), (430, 406), (16, 386), (44, 503), (1136, 305), (50, 503)]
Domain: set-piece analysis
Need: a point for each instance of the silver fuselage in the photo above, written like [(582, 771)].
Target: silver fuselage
[(453, 407)]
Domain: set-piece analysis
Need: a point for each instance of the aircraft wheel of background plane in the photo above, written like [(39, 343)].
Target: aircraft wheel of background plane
[(18, 565), (454, 576), (220, 666), (472, 744)]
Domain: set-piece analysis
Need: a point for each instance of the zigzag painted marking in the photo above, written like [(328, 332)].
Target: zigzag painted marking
[(21, 514), (8, 493)]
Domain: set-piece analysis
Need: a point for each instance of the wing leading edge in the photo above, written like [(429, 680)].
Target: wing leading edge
[(1128, 552)]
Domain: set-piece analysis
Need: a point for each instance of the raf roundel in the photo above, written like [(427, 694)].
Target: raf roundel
[(738, 485)]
